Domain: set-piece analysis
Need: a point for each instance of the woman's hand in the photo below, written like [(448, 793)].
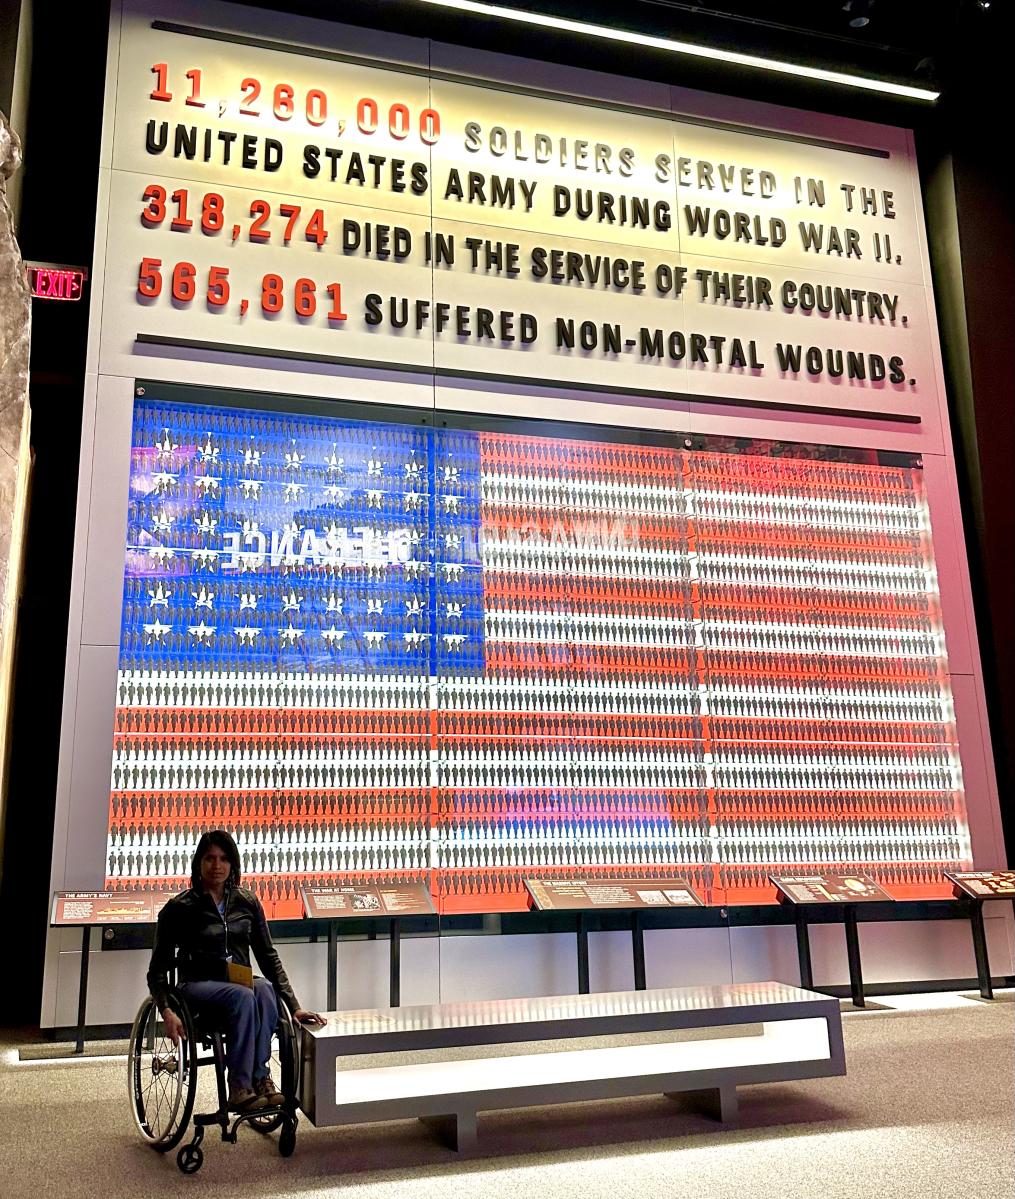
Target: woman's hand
[(174, 1026), (302, 1016)]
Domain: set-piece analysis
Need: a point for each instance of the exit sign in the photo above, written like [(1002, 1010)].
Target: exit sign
[(49, 281)]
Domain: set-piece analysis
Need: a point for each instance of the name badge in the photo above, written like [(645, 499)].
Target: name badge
[(243, 975)]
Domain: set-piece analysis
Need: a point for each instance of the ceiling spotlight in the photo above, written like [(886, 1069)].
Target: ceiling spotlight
[(859, 12)]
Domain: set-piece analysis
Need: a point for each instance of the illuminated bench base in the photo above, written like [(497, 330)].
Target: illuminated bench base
[(800, 1037)]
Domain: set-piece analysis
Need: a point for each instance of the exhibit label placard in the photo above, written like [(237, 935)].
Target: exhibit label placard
[(384, 899), (983, 884), (577, 894), (829, 888), (108, 907)]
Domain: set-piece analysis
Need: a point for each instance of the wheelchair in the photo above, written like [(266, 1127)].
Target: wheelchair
[(162, 1081)]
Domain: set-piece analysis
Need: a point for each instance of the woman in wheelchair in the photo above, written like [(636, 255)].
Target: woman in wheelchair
[(207, 934)]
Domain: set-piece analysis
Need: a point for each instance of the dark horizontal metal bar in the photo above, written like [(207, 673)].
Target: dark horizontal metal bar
[(444, 372)]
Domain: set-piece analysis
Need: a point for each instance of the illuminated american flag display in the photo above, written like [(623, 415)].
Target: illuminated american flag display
[(393, 649)]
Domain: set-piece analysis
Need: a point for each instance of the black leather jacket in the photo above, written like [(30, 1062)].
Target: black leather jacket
[(190, 923)]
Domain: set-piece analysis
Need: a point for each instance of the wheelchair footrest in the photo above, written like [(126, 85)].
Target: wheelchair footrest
[(203, 1120)]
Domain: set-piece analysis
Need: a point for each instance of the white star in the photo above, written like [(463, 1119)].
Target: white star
[(252, 457), (412, 500), (374, 636), (452, 570), (166, 447), (203, 599), (202, 632), (206, 524), (335, 603), (292, 491), (164, 481), (251, 488), (333, 634), (290, 634), (413, 607), (414, 569), (375, 607), (414, 638), (294, 460), (334, 492), (157, 630), (204, 558), (291, 602), (374, 498), (159, 598), (454, 611), (454, 640), (451, 474), (413, 470), (375, 468), (248, 601), (452, 541), (247, 634), (450, 502), (162, 522), (335, 464), (209, 451), (161, 553), (207, 484)]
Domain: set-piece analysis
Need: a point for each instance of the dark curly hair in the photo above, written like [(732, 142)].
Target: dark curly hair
[(221, 840)]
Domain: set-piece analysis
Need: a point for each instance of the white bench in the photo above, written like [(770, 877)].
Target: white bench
[(801, 1038)]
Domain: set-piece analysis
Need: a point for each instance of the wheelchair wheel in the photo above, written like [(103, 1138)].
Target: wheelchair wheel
[(284, 1066), (190, 1159), (161, 1076)]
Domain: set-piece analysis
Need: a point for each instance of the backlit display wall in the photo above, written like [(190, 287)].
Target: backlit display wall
[(403, 649)]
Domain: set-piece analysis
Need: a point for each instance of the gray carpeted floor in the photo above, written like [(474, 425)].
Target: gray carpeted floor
[(926, 1110)]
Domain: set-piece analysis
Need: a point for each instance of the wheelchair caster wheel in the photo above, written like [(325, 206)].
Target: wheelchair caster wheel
[(190, 1159), (287, 1139)]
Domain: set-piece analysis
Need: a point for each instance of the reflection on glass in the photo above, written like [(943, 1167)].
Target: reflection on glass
[(383, 651)]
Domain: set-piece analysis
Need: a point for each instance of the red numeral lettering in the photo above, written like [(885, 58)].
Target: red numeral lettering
[(283, 101), (305, 299), (317, 107), (336, 314), (149, 278), (271, 293), (181, 220), (184, 287), (292, 211), (195, 89), (366, 115), (315, 228), (155, 213), (251, 89), (429, 125), (161, 73), (260, 211), (398, 121), (212, 215), (218, 286)]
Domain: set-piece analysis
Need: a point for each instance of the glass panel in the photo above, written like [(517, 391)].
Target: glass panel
[(376, 651)]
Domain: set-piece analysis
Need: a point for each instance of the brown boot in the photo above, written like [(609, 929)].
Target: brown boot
[(267, 1090), (243, 1099)]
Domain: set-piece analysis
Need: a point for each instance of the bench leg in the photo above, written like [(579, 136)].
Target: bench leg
[(718, 1102), (457, 1131)]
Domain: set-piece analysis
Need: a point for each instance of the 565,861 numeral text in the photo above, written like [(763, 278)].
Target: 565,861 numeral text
[(186, 284)]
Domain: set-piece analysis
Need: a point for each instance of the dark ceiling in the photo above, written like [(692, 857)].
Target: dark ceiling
[(940, 44)]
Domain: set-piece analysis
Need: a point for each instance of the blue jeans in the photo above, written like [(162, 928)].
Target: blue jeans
[(249, 1016)]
